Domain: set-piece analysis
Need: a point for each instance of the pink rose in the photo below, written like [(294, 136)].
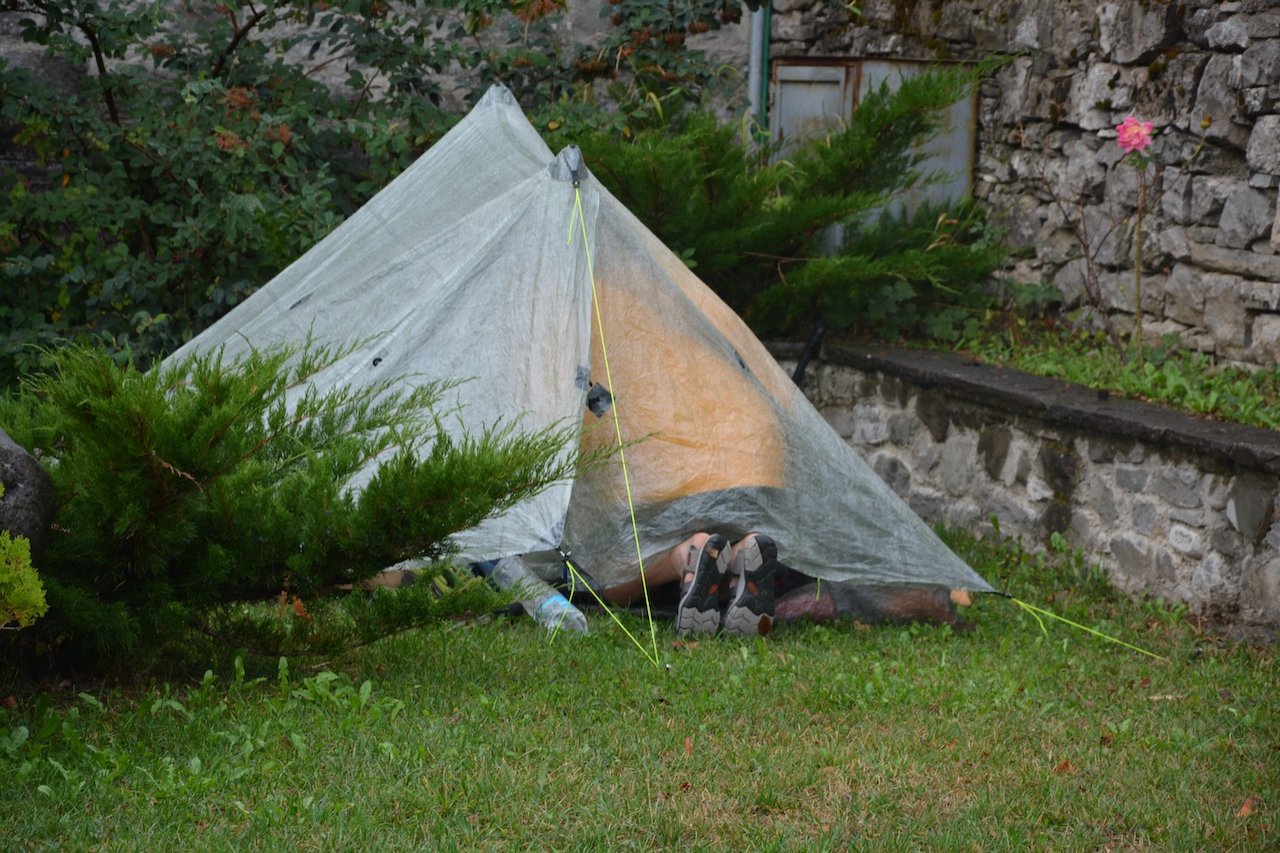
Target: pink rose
[(1133, 135)]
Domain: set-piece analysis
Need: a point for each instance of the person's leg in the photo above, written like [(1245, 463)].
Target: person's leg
[(753, 567), (872, 605), (675, 566), (701, 585)]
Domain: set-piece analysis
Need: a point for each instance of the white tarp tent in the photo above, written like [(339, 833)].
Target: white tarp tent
[(492, 260)]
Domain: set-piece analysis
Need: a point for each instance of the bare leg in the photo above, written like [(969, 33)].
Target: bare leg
[(669, 568)]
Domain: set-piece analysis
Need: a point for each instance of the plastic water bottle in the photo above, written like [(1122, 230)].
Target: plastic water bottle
[(539, 599)]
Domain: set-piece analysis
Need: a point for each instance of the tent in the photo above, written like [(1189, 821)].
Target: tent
[(493, 260)]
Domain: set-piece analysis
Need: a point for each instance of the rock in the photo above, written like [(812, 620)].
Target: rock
[(1184, 293), (1265, 339), (1246, 216), (1208, 195), (27, 506), (1235, 261), (1224, 313), (1263, 153), (1257, 65), (1217, 100), (1231, 34), (1098, 93), (1275, 227), (794, 26), (1134, 33)]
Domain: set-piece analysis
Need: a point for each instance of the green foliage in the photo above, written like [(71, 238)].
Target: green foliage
[(1168, 374), (209, 144), (922, 274), (184, 489), (753, 229), (21, 593)]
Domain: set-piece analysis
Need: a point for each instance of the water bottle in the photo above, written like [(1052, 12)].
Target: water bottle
[(545, 604)]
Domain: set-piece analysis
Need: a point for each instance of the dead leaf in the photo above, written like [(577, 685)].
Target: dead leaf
[(1249, 805), (1064, 767), (688, 745), (1107, 739)]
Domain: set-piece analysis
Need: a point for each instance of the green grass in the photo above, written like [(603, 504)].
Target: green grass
[(1167, 374), (490, 735)]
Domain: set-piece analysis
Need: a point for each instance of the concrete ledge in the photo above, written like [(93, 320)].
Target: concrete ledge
[(1063, 402), (1173, 505)]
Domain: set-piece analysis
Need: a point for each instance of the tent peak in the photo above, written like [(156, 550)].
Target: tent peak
[(568, 165), (497, 94)]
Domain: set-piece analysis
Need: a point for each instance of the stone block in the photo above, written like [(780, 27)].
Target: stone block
[(1131, 556), (1208, 194), (1055, 518), (993, 449), (1096, 94), (1215, 585), (1134, 33), (869, 428), (1226, 542), (1184, 295), (1231, 34), (1037, 489), (1224, 311), (1175, 200), (1173, 243), (1178, 486), (1264, 23), (1132, 479), (840, 420), (1216, 99), (895, 473), (1144, 517), (928, 505), (794, 26), (1251, 506), (956, 468), (903, 428), (1234, 261), (1255, 101), (1166, 568), (1246, 215), (1263, 152), (1260, 592), (1061, 467), (1264, 339), (1097, 496), (1186, 541), (932, 409), (1257, 65)]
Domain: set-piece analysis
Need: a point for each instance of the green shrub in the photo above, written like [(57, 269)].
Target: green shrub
[(752, 229), (186, 489), (21, 593)]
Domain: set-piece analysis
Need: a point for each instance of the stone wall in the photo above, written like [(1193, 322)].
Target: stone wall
[(1048, 164), (1172, 505)]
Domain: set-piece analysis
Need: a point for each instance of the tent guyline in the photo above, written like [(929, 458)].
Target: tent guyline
[(580, 219)]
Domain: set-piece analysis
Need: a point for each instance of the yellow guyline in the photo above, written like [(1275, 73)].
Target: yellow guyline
[(581, 221)]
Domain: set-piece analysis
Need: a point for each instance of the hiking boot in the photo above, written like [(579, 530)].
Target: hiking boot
[(699, 611), (750, 610)]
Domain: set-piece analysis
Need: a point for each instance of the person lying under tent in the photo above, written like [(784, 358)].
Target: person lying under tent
[(742, 589)]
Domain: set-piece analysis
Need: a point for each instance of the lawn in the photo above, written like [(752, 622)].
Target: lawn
[(489, 734)]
